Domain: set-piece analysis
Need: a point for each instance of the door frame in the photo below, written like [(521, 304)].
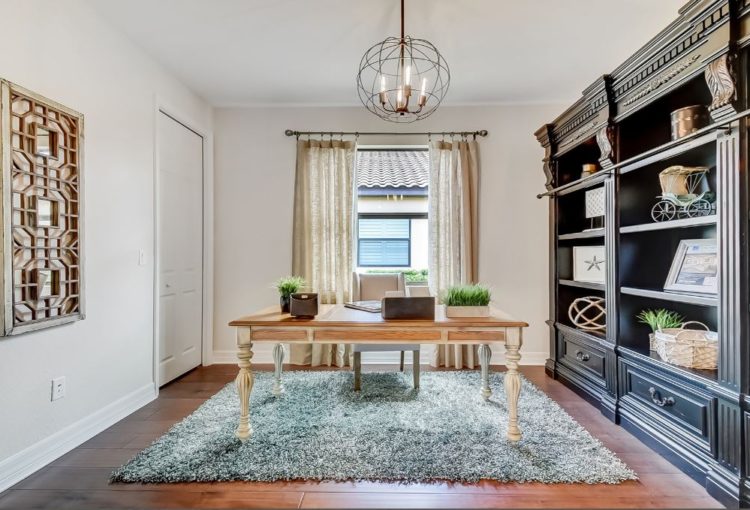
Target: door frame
[(163, 107)]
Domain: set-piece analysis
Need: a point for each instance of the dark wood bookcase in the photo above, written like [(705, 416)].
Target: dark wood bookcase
[(698, 419)]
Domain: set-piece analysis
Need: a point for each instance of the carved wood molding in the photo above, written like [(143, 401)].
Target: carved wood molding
[(720, 79), (580, 132), (657, 82), (659, 56)]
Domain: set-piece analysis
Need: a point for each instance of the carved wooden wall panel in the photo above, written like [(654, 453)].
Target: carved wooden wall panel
[(42, 154)]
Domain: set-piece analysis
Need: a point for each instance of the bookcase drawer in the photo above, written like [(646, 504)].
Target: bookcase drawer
[(582, 356), (673, 400)]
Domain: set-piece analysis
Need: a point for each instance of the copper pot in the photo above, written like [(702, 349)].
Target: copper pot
[(689, 120), (588, 169)]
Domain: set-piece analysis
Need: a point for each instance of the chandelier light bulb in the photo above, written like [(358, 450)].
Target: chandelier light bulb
[(423, 94)]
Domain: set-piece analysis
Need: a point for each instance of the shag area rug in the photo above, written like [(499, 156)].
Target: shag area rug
[(323, 430)]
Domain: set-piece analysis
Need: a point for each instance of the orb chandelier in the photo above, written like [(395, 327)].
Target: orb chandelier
[(403, 79)]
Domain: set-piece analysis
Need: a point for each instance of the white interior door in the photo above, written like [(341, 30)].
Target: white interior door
[(180, 248)]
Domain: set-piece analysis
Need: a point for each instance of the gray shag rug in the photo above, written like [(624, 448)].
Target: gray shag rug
[(323, 430)]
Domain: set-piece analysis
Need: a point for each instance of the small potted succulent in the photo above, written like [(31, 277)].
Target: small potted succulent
[(659, 319), (286, 287), (467, 301)]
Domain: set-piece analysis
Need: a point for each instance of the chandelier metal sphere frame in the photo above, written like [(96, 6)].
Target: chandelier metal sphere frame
[(403, 79)]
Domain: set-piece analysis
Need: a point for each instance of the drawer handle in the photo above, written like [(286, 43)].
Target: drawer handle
[(582, 356), (656, 398)]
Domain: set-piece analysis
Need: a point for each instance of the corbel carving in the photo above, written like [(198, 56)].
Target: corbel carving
[(544, 136), (605, 139), (720, 79)]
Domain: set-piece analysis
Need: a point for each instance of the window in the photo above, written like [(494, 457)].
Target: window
[(384, 242), (392, 210)]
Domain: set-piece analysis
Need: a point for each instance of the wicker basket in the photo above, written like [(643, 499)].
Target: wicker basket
[(691, 348)]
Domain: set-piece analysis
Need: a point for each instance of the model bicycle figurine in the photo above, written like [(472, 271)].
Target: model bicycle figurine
[(679, 194)]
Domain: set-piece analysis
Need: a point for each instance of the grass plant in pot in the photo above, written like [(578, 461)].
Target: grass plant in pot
[(286, 287), (467, 301), (659, 319)]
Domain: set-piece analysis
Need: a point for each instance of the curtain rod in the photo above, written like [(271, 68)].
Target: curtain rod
[(290, 132)]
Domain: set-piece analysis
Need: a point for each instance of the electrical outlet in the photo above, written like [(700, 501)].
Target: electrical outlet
[(58, 388), (141, 257)]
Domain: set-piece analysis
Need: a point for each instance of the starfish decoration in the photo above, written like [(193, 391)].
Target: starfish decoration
[(594, 264)]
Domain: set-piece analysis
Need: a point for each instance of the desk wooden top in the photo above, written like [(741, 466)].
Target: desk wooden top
[(340, 316)]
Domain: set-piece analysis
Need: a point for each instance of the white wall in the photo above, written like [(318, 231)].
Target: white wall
[(64, 51), (254, 182)]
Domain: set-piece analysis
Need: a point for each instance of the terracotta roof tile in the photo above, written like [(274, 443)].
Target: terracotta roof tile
[(393, 169)]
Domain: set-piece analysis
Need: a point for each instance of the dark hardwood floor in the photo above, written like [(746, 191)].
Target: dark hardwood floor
[(78, 480)]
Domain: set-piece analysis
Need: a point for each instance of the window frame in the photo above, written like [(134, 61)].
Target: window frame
[(377, 215)]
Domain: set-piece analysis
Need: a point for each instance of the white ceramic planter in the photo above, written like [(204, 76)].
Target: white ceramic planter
[(467, 311)]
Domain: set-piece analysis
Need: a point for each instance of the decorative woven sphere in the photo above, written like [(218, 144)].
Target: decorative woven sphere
[(588, 313), (403, 80)]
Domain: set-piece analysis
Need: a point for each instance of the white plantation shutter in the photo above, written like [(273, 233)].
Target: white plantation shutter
[(384, 242)]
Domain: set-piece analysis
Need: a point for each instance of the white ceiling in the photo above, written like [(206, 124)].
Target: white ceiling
[(285, 52)]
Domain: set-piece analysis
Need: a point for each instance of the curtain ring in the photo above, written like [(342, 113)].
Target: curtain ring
[(475, 136)]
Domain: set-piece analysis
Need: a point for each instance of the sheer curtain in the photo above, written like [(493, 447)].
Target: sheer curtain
[(453, 226), (323, 250)]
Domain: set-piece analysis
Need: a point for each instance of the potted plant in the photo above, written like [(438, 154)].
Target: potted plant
[(659, 319), (467, 301), (286, 287)]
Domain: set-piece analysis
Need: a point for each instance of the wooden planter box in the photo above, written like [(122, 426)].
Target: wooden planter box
[(467, 311)]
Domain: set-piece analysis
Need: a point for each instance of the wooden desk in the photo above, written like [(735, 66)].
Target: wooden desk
[(337, 324)]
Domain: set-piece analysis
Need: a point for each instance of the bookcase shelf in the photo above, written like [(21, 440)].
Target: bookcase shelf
[(623, 124), (669, 151), (582, 285), (589, 234), (667, 225), (691, 299), (577, 185)]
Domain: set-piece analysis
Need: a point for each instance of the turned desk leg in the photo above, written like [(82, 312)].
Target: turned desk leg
[(244, 383), (513, 382), (357, 371), (485, 353), (278, 362)]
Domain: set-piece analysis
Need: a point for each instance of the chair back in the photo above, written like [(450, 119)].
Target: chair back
[(373, 286)]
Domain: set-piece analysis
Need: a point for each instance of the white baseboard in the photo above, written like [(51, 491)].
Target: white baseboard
[(262, 354), (22, 464)]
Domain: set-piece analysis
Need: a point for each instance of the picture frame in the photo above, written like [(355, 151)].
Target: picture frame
[(589, 264), (695, 267)]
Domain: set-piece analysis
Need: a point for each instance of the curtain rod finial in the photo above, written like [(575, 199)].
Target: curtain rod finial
[(289, 132), (483, 132)]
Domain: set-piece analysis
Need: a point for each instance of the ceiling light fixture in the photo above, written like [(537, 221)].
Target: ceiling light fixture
[(403, 79)]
